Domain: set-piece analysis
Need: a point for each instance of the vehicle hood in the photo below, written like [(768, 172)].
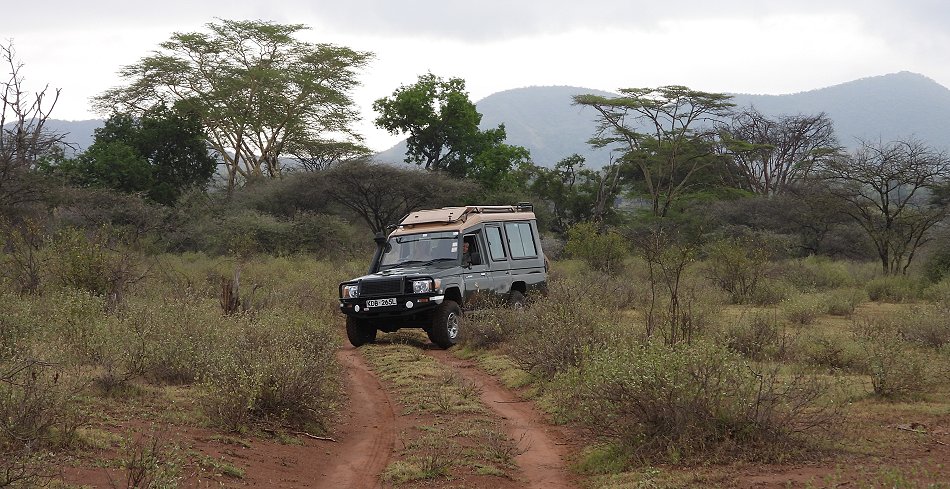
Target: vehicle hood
[(412, 271)]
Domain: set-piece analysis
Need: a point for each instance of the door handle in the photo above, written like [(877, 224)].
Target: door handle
[(483, 274)]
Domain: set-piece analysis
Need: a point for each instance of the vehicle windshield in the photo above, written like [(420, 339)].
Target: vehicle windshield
[(424, 248)]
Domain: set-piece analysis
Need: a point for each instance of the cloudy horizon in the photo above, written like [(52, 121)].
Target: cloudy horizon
[(731, 46)]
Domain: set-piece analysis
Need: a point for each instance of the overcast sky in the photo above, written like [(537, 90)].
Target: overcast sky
[(764, 47)]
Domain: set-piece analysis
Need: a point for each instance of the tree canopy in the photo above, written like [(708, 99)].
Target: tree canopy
[(888, 189), (262, 93), (159, 154), (666, 133), (442, 124)]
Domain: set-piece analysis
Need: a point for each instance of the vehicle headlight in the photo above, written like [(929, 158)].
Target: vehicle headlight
[(422, 286), (351, 291)]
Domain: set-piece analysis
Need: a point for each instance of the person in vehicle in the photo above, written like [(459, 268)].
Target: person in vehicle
[(470, 255)]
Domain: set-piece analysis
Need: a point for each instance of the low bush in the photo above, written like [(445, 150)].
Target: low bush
[(893, 288), (830, 352), (926, 325), (816, 273), (770, 292), (804, 309), (603, 251), (758, 336), (38, 413), (552, 333), (898, 371), (843, 302), (277, 368), (693, 401)]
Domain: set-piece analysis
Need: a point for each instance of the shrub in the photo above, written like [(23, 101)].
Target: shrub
[(897, 371), (893, 288), (830, 352), (689, 401), (278, 369), (770, 292), (843, 302), (816, 273), (553, 332), (938, 263), (603, 251), (758, 337), (37, 413), (804, 309), (927, 325), (738, 265)]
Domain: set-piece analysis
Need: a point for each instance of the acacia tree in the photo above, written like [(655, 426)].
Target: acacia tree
[(24, 139), (887, 189), (771, 155), (262, 93), (665, 132), (382, 194)]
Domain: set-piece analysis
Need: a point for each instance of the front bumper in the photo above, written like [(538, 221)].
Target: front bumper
[(406, 305)]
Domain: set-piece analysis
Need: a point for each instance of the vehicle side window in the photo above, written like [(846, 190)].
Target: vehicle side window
[(520, 240), (496, 247)]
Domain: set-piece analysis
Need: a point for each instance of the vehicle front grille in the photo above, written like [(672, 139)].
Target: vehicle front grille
[(388, 286)]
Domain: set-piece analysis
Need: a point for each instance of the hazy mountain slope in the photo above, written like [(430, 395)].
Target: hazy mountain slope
[(892, 106), (887, 107)]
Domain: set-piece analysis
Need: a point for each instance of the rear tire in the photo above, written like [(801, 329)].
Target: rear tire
[(446, 324), (359, 332)]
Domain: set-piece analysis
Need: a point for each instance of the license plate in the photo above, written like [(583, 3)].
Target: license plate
[(380, 302)]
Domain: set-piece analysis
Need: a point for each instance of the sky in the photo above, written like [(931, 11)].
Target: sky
[(734, 46)]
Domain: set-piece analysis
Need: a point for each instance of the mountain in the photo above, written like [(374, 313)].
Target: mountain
[(887, 107)]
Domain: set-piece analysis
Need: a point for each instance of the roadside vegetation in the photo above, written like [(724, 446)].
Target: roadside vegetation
[(729, 288)]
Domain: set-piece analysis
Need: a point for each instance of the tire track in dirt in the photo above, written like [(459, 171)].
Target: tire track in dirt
[(368, 434), (543, 462)]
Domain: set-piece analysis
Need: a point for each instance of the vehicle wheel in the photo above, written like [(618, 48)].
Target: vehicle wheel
[(446, 324), (516, 300), (359, 332)]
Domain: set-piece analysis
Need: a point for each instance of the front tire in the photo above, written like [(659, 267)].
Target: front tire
[(516, 300), (359, 332), (446, 324)]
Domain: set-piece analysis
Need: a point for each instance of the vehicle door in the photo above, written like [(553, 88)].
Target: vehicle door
[(499, 264), (476, 275)]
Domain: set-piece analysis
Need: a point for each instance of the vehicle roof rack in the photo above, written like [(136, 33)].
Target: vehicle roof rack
[(455, 214)]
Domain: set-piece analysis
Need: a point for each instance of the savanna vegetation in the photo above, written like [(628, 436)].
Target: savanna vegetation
[(728, 287)]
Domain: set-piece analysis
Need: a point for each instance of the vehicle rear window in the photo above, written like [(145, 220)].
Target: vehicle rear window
[(520, 240)]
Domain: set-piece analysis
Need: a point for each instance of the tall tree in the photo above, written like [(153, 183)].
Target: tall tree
[(438, 116), (887, 189), (160, 154), (666, 132), (442, 124), (24, 139), (262, 93), (772, 155)]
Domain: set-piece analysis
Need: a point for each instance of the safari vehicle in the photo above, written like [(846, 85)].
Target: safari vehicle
[(438, 263)]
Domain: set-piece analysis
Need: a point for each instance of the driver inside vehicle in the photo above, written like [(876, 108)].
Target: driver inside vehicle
[(470, 255)]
